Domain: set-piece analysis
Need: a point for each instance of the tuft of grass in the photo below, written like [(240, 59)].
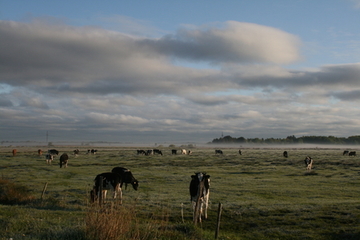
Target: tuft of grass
[(12, 193)]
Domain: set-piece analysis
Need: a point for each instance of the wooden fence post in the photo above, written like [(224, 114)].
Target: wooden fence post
[(218, 221), (43, 191), (198, 205), (101, 191)]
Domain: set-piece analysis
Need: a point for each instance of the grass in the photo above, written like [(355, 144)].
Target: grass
[(264, 195)]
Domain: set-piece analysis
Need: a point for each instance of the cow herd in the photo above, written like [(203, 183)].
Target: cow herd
[(199, 185)]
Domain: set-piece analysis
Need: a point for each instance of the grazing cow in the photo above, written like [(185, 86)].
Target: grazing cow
[(149, 152), (53, 152), (308, 162), (285, 154), (14, 151), (174, 151), (126, 177), (110, 181), (218, 151), (76, 152), (64, 160), (49, 158), (239, 152), (157, 151), (199, 195), (189, 152), (40, 152), (346, 152), (183, 151), (352, 153), (93, 151), (141, 152)]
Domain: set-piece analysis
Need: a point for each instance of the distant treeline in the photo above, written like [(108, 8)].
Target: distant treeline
[(291, 140)]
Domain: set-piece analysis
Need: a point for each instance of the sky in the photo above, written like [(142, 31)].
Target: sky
[(178, 71)]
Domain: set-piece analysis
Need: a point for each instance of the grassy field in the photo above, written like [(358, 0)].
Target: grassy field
[(264, 195)]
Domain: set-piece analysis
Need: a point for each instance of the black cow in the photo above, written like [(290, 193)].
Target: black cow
[(240, 152), (353, 153), (141, 152), (285, 154), (346, 152), (126, 177), (111, 181), (174, 151), (200, 181), (93, 151), (64, 160), (218, 151), (53, 152), (157, 151)]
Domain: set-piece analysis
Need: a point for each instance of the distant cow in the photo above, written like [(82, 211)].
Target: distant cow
[(174, 151), (157, 151), (64, 160), (308, 162), (346, 152), (217, 151), (183, 151), (49, 158), (141, 152), (352, 153), (53, 152), (199, 195), (239, 152), (285, 154), (126, 177), (110, 181), (76, 152), (40, 152), (14, 151), (149, 152), (93, 151), (189, 152)]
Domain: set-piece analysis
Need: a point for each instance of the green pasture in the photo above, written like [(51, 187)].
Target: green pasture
[(264, 195)]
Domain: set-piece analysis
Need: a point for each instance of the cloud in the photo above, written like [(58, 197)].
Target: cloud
[(236, 42), (87, 80)]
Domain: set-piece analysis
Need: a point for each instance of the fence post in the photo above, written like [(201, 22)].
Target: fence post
[(218, 221), (101, 191), (198, 205), (44, 190)]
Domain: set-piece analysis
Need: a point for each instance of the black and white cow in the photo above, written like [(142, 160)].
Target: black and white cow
[(94, 151), (199, 195), (149, 152), (64, 160), (141, 152), (110, 182), (285, 154), (353, 153), (126, 177), (308, 162), (157, 151), (49, 158), (183, 151), (53, 152), (346, 152), (217, 151), (174, 151), (76, 152)]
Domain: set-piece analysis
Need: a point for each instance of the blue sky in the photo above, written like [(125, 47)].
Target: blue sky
[(172, 71)]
